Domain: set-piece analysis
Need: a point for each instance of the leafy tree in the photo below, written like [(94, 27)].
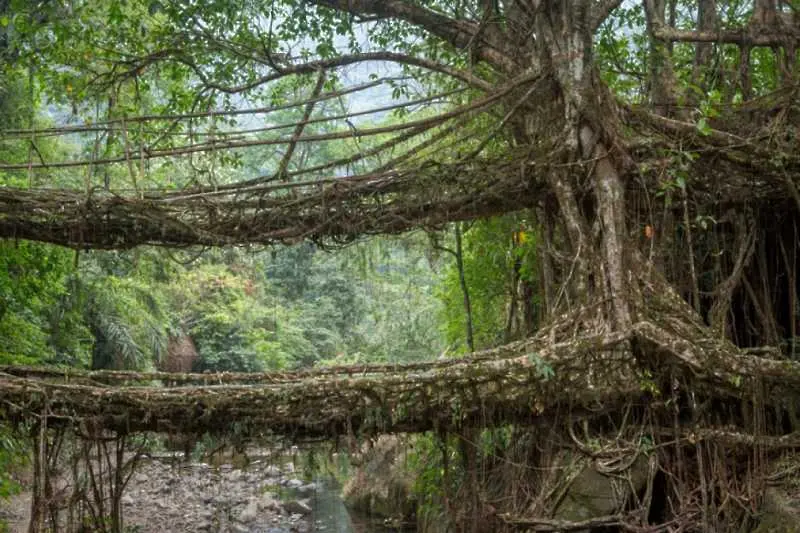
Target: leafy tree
[(653, 143)]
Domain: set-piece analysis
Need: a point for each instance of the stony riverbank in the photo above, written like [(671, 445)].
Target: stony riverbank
[(163, 497)]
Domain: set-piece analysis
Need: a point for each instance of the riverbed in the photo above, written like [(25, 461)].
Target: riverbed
[(168, 496)]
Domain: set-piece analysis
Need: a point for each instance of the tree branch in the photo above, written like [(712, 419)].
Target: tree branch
[(341, 61), (431, 122), (741, 37), (459, 33), (601, 11), (298, 130)]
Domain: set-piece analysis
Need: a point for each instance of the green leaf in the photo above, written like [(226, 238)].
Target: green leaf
[(703, 127)]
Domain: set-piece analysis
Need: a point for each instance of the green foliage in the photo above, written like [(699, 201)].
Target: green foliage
[(498, 254), (427, 461), (223, 311), (543, 368), (33, 326), (621, 47), (13, 456), (127, 320)]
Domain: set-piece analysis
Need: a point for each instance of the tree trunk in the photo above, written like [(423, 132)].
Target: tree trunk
[(462, 280)]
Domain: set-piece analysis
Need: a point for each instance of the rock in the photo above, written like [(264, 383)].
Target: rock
[(780, 513), (293, 483), (250, 512), (223, 498), (301, 527), (381, 486), (234, 475), (301, 507), (268, 502), (592, 493), (307, 488)]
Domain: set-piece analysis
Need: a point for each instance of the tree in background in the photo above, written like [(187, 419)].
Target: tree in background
[(500, 275)]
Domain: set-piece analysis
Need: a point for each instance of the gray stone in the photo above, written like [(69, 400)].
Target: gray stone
[(268, 502), (127, 499), (234, 475), (301, 507), (293, 483), (780, 512), (301, 527), (250, 512), (592, 493), (239, 528), (307, 488)]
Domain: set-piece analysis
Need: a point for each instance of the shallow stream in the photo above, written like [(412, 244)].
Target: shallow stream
[(331, 516)]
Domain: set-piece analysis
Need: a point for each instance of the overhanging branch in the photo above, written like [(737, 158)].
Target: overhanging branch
[(459, 33), (743, 37)]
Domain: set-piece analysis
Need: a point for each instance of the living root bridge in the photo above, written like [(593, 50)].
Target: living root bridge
[(515, 383), (523, 382), (331, 210)]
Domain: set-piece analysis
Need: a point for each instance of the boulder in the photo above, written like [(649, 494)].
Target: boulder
[(301, 507), (780, 512), (250, 512), (381, 486), (307, 489), (592, 493), (269, 502)]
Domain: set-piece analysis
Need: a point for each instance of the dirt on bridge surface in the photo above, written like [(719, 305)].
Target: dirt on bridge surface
[(161, 497)]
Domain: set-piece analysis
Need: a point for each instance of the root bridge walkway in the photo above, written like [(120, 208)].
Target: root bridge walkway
[(523, 382)]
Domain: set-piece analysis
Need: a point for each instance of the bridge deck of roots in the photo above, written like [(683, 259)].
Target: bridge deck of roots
[(666, 351)]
